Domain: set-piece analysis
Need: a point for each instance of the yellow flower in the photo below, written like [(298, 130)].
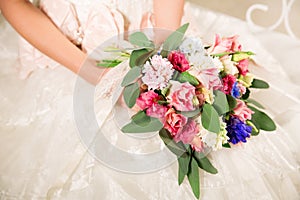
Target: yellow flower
[(246, 80)]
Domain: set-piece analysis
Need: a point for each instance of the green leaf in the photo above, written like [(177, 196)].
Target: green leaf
[(141, 119), (231, 102), (140, 39), (108, 63), (255, 130), (210, 119), (174, 40), (226, 145), (187, 77), (131, 75), (152, 126), (183, 167), (221, 54), (238, 56), (193, 177), (191, 113), (204, 163), (176, 148), (256, 83), (131, 93), (257, 104), (139, 57), (246, 95), (220, 102), (261, 120)]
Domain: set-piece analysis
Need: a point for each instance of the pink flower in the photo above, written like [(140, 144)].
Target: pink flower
[(157, 111), (226, 44), (242, 88), (157, 72), (210, 78), (178, 60), (197, 144), (228, 82), (187, 133), (181, 96), (174, 122), (242, 111), (243, 66), (147, 99)]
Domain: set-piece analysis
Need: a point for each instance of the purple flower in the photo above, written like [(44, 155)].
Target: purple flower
[(235, 91), (237, 130)]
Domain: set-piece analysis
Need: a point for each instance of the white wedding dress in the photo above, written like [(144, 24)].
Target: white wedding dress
[(60, 137)]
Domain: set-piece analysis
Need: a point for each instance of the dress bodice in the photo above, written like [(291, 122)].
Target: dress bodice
[(87, 23)]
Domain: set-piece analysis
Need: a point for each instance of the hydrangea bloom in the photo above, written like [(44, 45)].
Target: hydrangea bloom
[(157, 72), (237, 130)]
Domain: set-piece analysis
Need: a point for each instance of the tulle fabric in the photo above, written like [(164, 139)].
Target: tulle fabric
[(43, 157)]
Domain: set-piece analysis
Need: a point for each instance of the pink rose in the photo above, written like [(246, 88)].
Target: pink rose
[(243, 66), (187, 133), (157, 111), (228, 82), (226, 44), (178, 60), (242, 111), (181, 96), (146, 99), (174, 122)]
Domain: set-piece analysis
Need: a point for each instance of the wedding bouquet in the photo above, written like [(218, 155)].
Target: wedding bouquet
[(196, 96)]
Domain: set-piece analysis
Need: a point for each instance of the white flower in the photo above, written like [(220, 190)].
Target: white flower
[(157, 72), (218, 63), (222, 137), (214, 140), (229, 65), (192, 45)]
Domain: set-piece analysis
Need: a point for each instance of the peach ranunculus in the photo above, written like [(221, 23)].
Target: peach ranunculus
[(226, 44), (174, 122), (147, 99), (182, 95), (242, 111)]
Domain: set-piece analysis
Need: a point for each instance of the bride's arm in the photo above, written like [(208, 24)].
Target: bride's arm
[(168, 13), (39, 30)]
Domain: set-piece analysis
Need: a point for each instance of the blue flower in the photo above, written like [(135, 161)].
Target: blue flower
[(237, 130), (235, 92)]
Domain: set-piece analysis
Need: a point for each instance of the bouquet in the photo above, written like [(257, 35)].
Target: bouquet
[(196, 96)]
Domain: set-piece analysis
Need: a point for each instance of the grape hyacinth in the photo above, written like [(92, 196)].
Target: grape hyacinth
[(237, 130)]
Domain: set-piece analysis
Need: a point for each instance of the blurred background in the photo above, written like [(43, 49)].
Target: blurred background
[(238, 8)]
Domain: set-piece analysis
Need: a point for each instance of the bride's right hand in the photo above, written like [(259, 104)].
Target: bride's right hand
[(31, 23)]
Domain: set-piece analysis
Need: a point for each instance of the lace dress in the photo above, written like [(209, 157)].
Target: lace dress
[(61, 139)]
